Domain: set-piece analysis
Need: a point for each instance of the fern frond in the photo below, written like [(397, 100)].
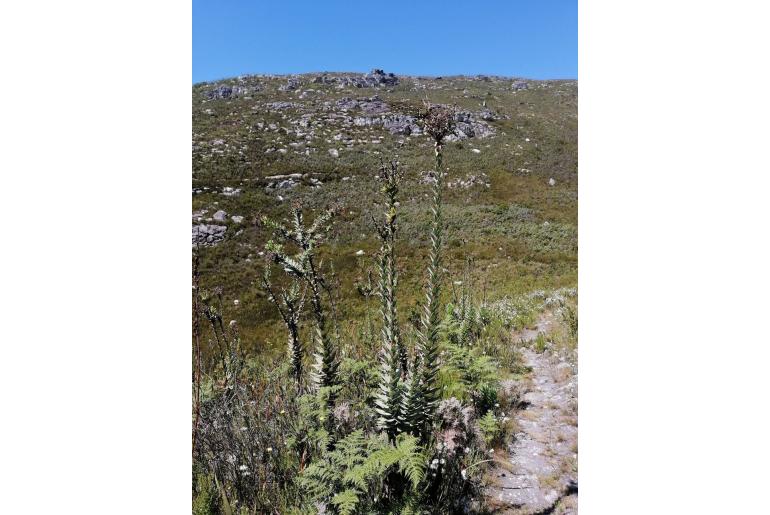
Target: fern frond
[(412, 460), (345, 502)]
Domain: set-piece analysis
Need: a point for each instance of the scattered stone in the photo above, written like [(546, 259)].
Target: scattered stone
[(476, 151), (323, 79), (227, 191), (277, 106), (287, 184), (380, 77), (360, 253), (286, 176), (374, 106), (487, 115), (471, 180), (291, 85), (237, 219), (428, 177), (220, 216), (346, 103), (402, 124), (334, 152), (551, 182), (225, 91), (207, 235), (467, 126), (519, 85)]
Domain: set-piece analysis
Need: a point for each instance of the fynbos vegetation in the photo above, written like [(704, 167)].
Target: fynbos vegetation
[(393, 418)]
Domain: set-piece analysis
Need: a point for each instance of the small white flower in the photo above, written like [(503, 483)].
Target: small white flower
[(360, 253), (491, 451), (236, 302), (442, 461), (467, 449), (269, 449), (458, 283), (464, 474), (243, 467)]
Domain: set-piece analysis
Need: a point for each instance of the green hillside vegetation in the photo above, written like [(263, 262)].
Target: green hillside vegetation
[(353, 348), (521, 232)]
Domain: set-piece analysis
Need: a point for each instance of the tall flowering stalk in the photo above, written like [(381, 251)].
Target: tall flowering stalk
[(423, 394), (393, 356), (196, 350), (289, 304), (303, 266)]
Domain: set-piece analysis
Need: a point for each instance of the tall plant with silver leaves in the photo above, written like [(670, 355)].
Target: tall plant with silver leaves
[(423, 393), (393, 354), (303, 266)]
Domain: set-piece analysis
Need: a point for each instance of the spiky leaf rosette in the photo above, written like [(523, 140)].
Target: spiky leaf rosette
[(425, 390), (393, 354)]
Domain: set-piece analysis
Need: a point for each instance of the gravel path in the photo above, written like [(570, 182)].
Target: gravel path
[(540, 475)]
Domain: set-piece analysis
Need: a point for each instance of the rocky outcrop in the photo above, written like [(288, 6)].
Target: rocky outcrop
[(291, 85), (374, 79), (207, 235), (379, 77), (467, 126), (402, 124), (373, 105), (278, 106), (224, 92)]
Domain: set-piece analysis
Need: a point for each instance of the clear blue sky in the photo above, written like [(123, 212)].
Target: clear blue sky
[(527, 38)]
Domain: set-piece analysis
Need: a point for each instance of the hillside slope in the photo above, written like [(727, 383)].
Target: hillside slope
[(262, 142)]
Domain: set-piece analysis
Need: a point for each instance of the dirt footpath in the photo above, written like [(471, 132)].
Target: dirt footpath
[(539, 473)]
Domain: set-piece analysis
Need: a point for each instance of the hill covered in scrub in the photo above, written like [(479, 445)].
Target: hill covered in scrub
[(261, 142), (413, 248)]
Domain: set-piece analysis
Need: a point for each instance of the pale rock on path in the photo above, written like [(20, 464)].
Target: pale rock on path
[(540, 475)]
